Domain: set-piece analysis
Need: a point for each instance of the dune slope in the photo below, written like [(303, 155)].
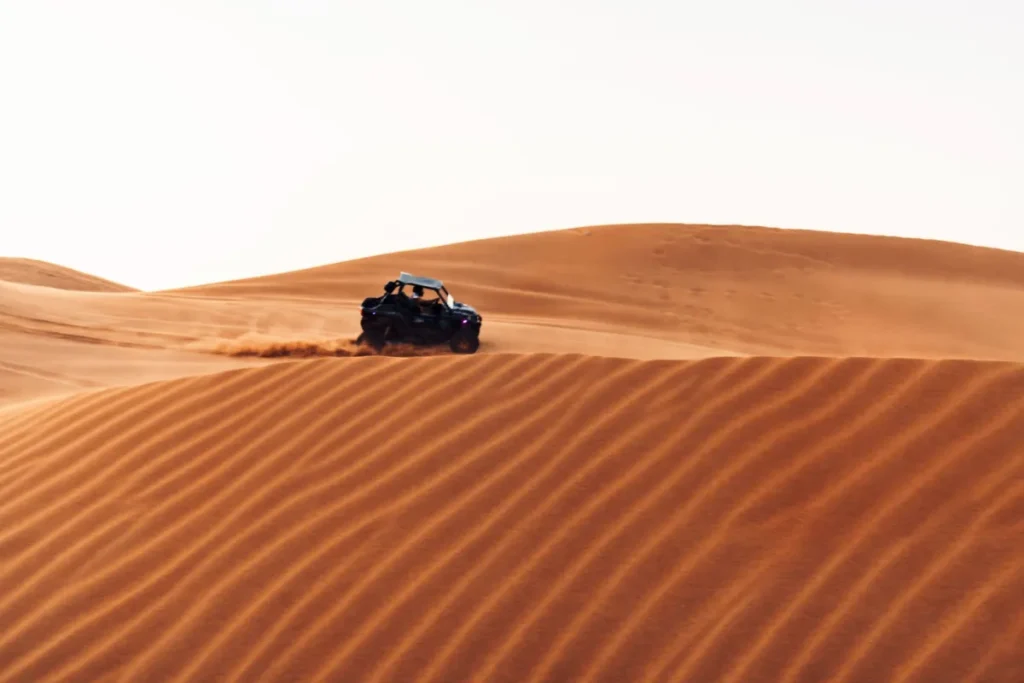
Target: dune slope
[(634, 291), (44, 274), (745, 289), (521, 518)]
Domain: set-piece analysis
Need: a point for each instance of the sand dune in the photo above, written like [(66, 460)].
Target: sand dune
[(43, 274), (742, 289), (521, 517), (683, 453), (645, 291)]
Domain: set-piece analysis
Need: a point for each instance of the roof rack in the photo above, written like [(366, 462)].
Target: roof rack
[(428, 282)]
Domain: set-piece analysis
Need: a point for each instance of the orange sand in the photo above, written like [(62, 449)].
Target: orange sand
[(683, 454), (32, 272)]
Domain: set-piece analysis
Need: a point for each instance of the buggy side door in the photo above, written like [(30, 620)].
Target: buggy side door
[(432, 321)]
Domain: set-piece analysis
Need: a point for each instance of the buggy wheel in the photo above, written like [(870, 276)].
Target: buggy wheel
[(464, 342), (373, 339)]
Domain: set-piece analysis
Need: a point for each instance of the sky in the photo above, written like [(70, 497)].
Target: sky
[(164, 144)]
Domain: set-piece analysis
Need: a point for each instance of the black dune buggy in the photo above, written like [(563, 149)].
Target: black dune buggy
[(421, 318)]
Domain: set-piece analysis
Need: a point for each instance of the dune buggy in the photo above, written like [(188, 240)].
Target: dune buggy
[(429, 316)]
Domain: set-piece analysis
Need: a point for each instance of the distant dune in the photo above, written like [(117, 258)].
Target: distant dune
[(746, 289), (683, 453), (32, 272)]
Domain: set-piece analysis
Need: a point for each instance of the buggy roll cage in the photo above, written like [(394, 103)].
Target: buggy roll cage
[(425, 282)]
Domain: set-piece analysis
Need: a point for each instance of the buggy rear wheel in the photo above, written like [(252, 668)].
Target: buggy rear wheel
[(464, 342), (373, 339)]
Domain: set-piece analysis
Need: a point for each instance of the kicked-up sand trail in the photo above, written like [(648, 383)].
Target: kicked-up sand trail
[(818, 476)]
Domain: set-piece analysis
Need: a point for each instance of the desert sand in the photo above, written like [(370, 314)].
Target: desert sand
[(682, 453)]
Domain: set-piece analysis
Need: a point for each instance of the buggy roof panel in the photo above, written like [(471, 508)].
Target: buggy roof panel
[(428, 282)]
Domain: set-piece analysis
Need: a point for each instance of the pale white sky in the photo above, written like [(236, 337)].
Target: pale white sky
[(171, 143)]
